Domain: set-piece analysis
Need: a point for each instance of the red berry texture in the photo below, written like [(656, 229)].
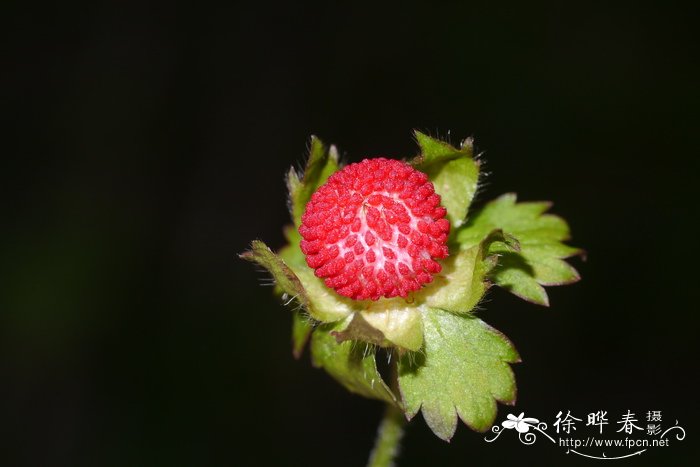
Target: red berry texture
[(375, 229)]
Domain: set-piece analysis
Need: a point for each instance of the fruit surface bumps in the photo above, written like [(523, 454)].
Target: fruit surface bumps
[(375, 229)]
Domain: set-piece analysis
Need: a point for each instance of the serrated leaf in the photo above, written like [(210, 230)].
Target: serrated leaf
[(322, 162), (515, 275), (352, 364), (540, 259), (301, 331), (550, 270), (463, 371), (454, 173), (525, 221)]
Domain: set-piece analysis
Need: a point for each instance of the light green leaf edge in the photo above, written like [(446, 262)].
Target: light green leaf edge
[(285, 279), (300, 284), (463, 370), (454, 173)]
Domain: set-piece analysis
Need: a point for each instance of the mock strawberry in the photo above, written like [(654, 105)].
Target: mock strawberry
[(375, 229)]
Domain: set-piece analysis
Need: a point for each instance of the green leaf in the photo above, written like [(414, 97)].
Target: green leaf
[(462, 282), (322, 162), (386, 323), (540, 259), (454, 173), (284, 277), (323, 303), (291, 253), (352, 364), (299, 282), (515, 275), (463, 371), (360, 330), (301, 331), (398, 321)]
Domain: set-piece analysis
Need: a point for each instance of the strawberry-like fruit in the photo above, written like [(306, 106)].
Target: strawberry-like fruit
[(375, 229)]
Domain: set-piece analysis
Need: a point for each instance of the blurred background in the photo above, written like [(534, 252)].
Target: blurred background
[(146, 146)]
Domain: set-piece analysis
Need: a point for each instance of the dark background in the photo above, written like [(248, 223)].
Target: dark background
[(148, 146)]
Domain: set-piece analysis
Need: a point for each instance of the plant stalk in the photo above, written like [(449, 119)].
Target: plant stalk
[(388, 440)]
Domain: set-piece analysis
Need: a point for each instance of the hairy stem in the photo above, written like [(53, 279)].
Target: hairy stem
[(389, 434)]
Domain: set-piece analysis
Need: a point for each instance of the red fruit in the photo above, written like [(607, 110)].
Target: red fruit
[(375, 229)]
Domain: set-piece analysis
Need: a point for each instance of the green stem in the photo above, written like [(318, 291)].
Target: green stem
[(389, 434)]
